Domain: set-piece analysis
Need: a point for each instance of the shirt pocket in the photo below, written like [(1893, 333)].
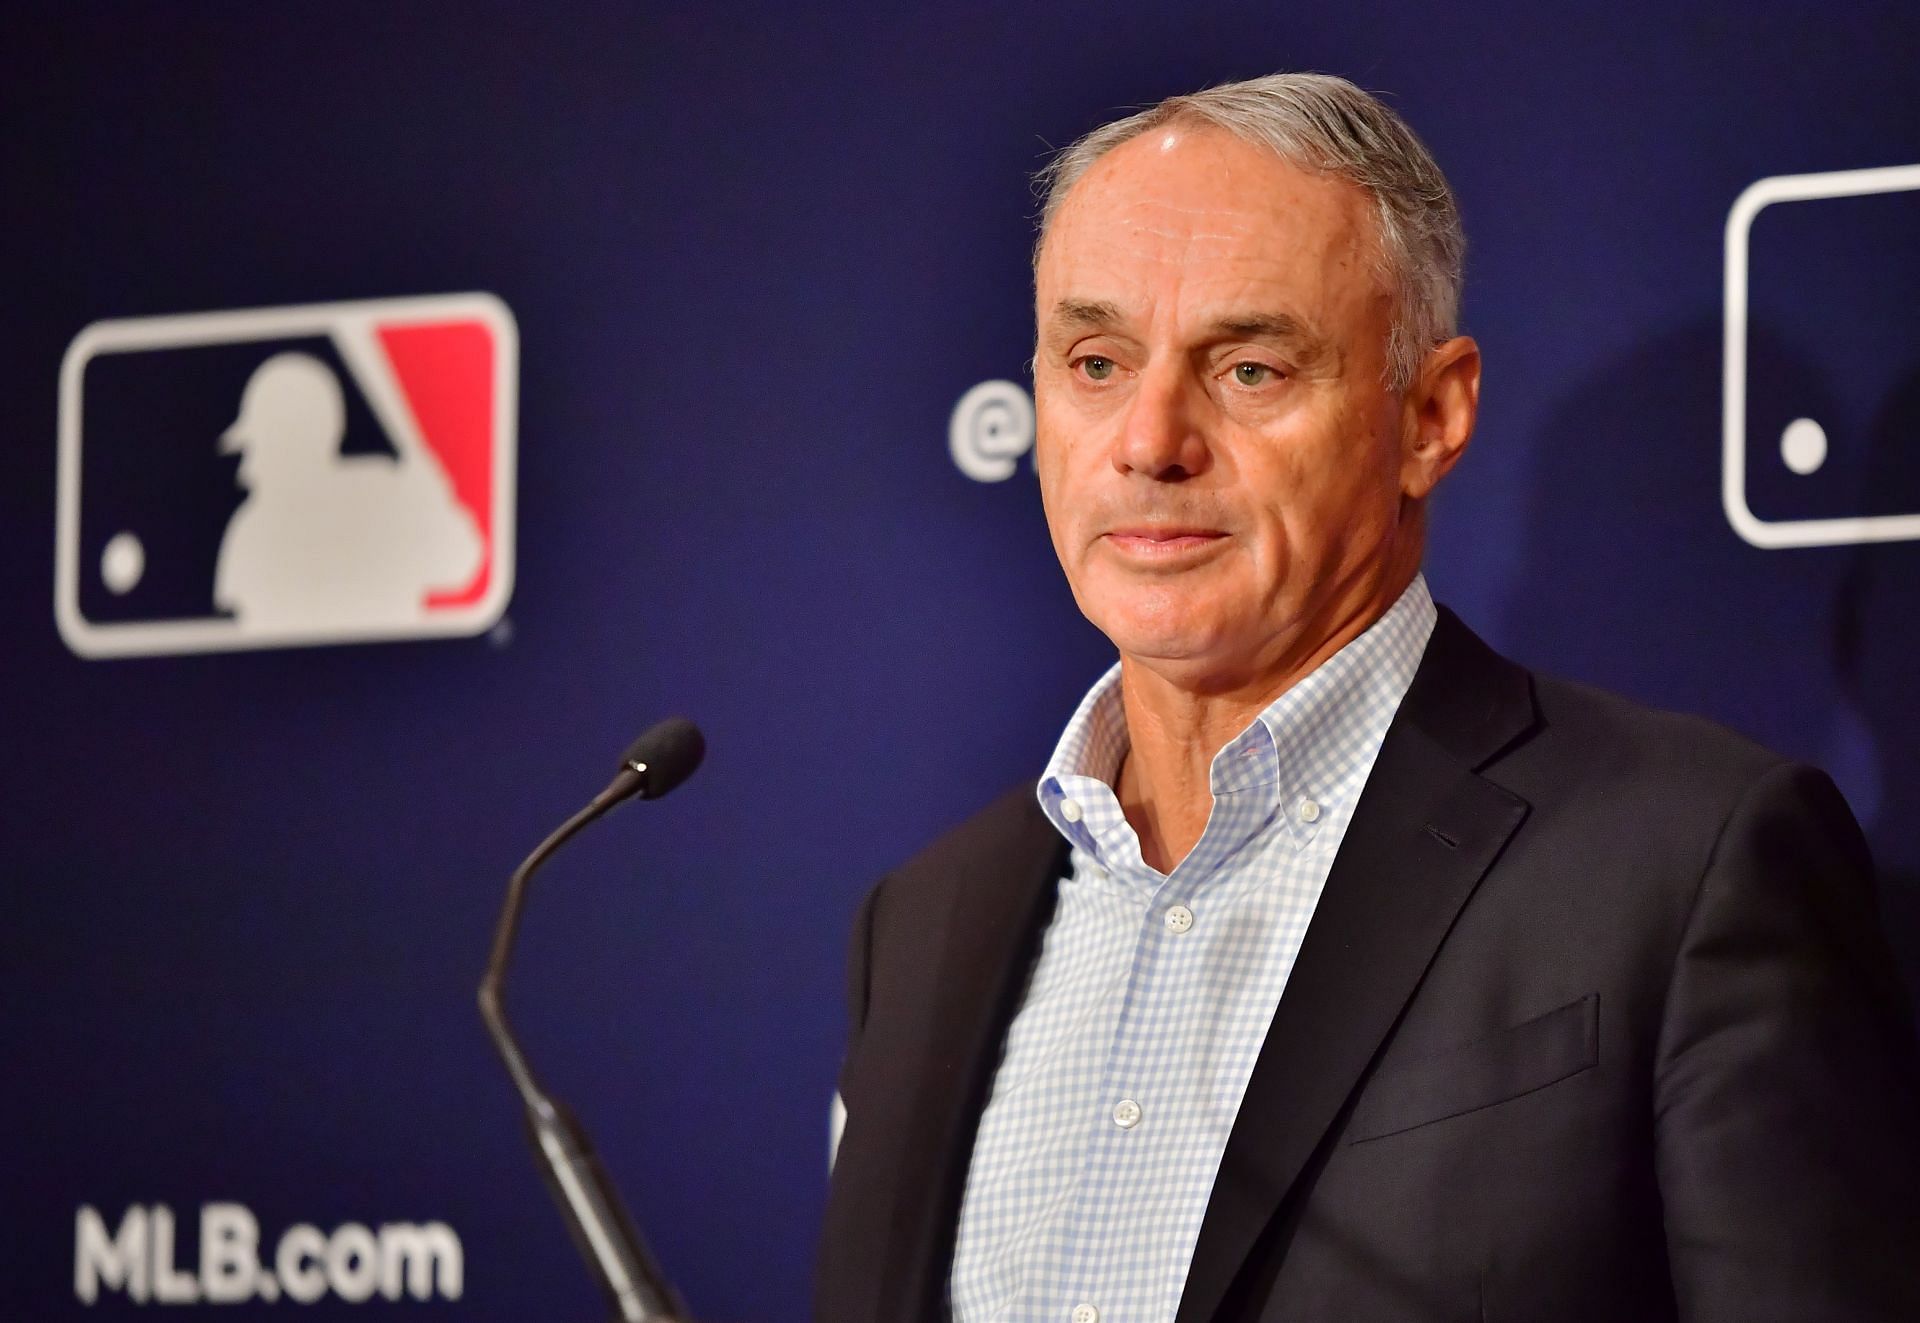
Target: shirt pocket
[(1495, 1069)]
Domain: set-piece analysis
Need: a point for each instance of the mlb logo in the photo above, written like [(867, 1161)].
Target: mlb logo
[(276, 477)]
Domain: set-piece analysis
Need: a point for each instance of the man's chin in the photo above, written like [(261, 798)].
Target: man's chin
[(1169, 649), (1194, 650)]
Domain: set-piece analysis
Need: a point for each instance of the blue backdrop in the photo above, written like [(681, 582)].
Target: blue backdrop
[(755, 256)]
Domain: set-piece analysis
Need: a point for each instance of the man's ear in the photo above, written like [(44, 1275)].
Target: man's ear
[(1437, 415)]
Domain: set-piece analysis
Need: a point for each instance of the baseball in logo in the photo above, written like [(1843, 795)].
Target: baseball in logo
[(328, 473)]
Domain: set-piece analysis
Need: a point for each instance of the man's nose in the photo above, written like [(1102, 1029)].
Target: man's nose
[(1162, 438)]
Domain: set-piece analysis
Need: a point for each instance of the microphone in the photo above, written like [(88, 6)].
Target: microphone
[(636, 1289)]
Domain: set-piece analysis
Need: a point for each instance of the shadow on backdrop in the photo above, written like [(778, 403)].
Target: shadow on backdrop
[(1874, 651), (1633, 580)]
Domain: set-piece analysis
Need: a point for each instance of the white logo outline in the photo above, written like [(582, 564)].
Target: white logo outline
[(1775, 533)]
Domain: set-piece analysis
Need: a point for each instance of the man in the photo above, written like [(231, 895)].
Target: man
[(1338, 968)]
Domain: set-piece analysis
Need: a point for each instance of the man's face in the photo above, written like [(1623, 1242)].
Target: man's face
[(1219, 455)]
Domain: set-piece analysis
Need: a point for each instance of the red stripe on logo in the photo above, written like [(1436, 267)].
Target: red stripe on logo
[(446, 370)]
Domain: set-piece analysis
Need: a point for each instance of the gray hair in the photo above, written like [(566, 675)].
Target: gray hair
[(1325, 124)]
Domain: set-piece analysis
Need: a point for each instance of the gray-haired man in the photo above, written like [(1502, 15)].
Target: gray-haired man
[(1338, 968)]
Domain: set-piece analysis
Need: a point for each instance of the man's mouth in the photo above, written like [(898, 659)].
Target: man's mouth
[(1162, 541)]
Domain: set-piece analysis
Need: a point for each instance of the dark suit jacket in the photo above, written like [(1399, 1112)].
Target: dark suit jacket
[(1594, 1021)]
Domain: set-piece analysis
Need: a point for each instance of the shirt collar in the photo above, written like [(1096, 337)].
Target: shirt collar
[(1309, 750)]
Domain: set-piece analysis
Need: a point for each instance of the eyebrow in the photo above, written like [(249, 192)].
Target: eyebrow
[(1085, 314), (1307, 345), (1264, 326)]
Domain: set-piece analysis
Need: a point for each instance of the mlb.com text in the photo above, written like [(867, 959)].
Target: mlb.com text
[(353, 1262)]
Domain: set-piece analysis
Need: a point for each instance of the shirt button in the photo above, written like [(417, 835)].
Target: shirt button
[(1085, 1314), (1126, 1113), (1309, 810), (1179, 919), (1070, 809)]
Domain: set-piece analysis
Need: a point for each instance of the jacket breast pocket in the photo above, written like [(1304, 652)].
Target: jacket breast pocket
[(1495, 1069)]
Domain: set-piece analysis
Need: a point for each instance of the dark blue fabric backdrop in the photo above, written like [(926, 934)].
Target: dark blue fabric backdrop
[(755, 255)]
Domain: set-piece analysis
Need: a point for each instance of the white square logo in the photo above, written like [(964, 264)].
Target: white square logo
[(1820, 320)]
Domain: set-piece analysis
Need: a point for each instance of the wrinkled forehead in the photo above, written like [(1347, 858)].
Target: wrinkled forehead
[(1184, 219)]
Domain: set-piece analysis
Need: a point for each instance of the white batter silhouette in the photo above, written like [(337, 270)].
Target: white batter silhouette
[(325, 539)]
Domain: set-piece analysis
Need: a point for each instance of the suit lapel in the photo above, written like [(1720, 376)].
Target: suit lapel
[(1426, 828), (992, 934)]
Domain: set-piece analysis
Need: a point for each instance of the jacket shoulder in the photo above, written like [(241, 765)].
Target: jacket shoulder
[(1636, 792), (1543, 736), (1006, 833), (1009, 825), (1614, 733)]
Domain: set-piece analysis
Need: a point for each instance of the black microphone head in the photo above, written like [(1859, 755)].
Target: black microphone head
[(665, 755)]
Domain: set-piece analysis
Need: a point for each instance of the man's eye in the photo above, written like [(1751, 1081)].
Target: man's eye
[(1097, 368), (1252, 374)]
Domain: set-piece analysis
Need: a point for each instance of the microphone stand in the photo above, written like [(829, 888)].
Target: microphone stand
[(636, 1289)]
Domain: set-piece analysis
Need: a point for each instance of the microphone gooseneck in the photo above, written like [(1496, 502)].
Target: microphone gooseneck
[(636, 1289)]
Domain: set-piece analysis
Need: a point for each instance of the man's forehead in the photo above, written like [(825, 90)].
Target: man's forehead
[(1227, 221), (1203, 184)]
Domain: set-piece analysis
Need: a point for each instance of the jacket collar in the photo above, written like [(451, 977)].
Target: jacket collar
[(1427, 828)]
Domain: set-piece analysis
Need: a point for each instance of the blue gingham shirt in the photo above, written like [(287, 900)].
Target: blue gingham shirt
[(1124, 1068)]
